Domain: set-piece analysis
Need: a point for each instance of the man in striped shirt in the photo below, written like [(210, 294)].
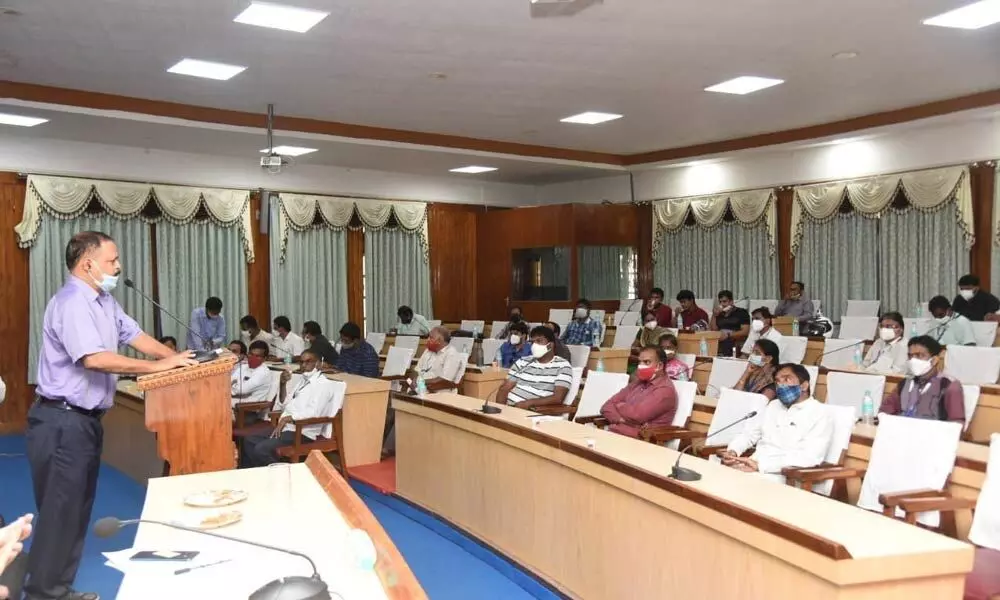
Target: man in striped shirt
[(539, 380)]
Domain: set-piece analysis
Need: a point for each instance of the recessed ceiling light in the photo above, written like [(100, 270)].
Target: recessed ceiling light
[(746, 84), (849, 54), (206, 69), (288, 150), (438, 75), (473, 169), (20, 121), (276, 16), (591, 118), (972, 16)]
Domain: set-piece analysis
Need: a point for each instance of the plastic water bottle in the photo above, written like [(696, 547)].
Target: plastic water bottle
[(600, 364), (421, 386), (288, 358), (597, 339), (795, 327), (703, 347), (918, 310), (680, 322), (913, 329), (868, 409), (858, 358)]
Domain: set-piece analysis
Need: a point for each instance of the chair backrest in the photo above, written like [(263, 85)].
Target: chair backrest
[(497, 328), (598, 315), (625, 335), (339, 391), (862, 308), (817, 305), (985, 530), (377, 340), (770, 303), (407, 341), (686, 393), (725, 373), (731, 407), (844, 418), (574, 388), (597, 390), (857, 328), (837, 354), (970, 394), (472, 325), (463, 359), (626, 317), (706, 304), (972, 364), (909, 454), (687, 359), (793, 348), (578, 355), (848, 389), (434, 322), (915, 326), (630, 304), (985, 333), (561, 316), (462, 344), (490, 349), (398, 361)]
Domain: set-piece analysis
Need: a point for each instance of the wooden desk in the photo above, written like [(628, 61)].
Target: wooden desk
[(625, 530), (482, 383), (782, 324), (307, 507), (615, 360), (690, 342), (128, 445), (365, 405)]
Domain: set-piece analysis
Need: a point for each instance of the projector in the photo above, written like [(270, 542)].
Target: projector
[(270, 162)]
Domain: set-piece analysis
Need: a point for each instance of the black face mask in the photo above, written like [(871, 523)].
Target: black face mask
[(515, 318)]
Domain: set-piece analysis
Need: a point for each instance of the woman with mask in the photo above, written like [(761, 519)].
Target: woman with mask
[(517, 345), (926, 393), (674, 367), (888, 354), (759, 376), (648, 400)]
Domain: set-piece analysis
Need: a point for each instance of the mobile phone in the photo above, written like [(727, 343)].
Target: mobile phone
[(171, 555)]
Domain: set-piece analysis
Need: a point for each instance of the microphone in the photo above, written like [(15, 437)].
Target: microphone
[(489, 409), (684, 474), (200, 356), (819, 358), (297, 587), (942, 328)]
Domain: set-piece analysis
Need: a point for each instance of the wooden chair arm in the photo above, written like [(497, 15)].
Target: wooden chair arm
[(821, 473), (555, 410), (393, 377), (707, 451), (658, 434), (248, 407), (300, 423), (892, 500), (597, 420), (274, 415), (914, 506)]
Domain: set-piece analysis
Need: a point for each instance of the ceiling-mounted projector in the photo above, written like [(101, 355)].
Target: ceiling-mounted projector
[(559, 8)]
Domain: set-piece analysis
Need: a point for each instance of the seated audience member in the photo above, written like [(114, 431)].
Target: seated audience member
[(515, 316), (251, 332), (732, 322), (410, 323), (251, 379), (926, 393), (582, 330), (439, 365), (313, 334), (663, 313), (761, 368), (561, 350), (239, 349), (650, 333), (888, 353), (690, 317), (356, 355), (286, 343), (313, 397), (169, 341), (973, 303), (794, 431), (648, 400), (762, 328), (951, 327), (13, 560), (517, 345), (542, 380), (207, 329), (796, 304), (675, 368)]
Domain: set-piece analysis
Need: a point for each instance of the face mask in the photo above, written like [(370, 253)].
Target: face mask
[(669, 353), (919, 366), (645, 372), (539, 350), (515, 339), (254, 361), (756, 360), (245, 331), (967, 294), (346, 345), (943, 320), (516, 318), (581, 313), (434, 345), (308, 374), (788, 394), (887, 334), (107, 283), (757, 325), (654, 303), (651, 325), (338, 346)]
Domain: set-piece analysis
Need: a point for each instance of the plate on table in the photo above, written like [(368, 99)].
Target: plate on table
[(212, 520), (216, 498)]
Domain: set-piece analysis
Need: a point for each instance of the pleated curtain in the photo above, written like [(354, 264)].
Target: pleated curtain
[(604, 272), (396, 273), (196, 261), (47, 269), (311, 283), (838, 260)]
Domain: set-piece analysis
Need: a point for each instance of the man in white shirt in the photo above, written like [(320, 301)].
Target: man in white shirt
[(314, 396), (543, 379), (410, 323), (251, 379), (951, 327), (285, 343), (762, 327), (794, 431), (251, 332)]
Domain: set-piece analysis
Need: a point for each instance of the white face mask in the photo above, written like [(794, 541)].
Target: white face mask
[(918, 366), (943, 320), (338, 347), (757, 325), (669, 353), (581, 313), (756, 360), (651, 325), (887, 334), (539, 350), (515, 339), (967, 294)]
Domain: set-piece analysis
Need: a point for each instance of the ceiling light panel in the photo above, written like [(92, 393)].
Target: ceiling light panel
[(277, 16), (971, 16), (746, 84), (288, 150), (20, 120), (591, 118), (206, 69), (473, 169)]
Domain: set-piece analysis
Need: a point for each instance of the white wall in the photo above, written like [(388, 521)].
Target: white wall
[(615, 189)]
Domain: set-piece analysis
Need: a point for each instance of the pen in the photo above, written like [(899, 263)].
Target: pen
[(189, 569)]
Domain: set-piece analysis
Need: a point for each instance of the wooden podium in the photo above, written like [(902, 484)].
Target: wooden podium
[(189, 410)]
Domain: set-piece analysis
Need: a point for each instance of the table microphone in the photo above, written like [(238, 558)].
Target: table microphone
[(684, 474), (200, 356), (297, 587)]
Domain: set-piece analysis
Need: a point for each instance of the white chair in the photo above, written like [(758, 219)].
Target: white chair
[(574, 389), (434, 323), (909, 454), (622, 318), (985, 530), (914, 326), (725, 373), (985, 333), (769, 303), (598, 315), (463, 344), (731, 407), (578, 355), (862, 308), (687, 359), (844, 418), (857, 328), (970, 395), (337, 402), (472, 325), (561, 316), (398, 361), (377, 341), (686, 393), (838, 353), (817, 305), (463, 360), (813, 378), (793, 348), (597, 390), (707, 304), (630, 304), (625, 335), (848, 389), (972, 364), (407, 341), (490, 349), (497, 328)]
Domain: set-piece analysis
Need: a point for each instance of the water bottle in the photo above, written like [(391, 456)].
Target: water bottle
[(682, 376), (288, 358), (795, 327), (600, 364), (703, 347), (421, 386), (913, 329), (680, 322), (918, 310), (597, 339), (858, 358), (868, 409)]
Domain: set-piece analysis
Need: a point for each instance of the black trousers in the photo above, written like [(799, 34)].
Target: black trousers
[(261, 450), (64, 451)]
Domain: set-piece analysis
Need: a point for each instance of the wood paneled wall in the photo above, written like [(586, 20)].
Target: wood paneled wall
[(14, 314), (355, 276), (786, 262), (452, 232), (259, 271), (982, 181)]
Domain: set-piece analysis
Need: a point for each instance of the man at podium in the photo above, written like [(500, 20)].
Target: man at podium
[(77, 371)]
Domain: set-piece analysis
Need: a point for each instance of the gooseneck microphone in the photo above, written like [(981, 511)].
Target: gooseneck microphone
[(489, 409), (200, 356), (819, 358), (684, 474), (297, 587)]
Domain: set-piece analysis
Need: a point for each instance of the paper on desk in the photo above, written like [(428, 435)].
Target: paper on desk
[(545, 418)]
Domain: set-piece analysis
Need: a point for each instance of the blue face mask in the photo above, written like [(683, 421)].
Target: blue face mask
[(107, 283), (788, 394)]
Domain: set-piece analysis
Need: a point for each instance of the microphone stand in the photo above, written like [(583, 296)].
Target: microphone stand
[(489, 409), (201, 355), (684, 474)]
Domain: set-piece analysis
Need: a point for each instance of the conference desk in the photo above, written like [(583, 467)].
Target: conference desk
[(306, 507), (607, 522)]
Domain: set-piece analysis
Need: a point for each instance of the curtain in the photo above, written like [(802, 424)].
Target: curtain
[(47, 269), (196, 261), (310, 284), (728, 257), (604, 272), (838, 260), (750, 208), (395, 274), (922, 254)]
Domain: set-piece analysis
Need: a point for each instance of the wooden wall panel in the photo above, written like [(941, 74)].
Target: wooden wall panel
[(786, 262), (14, 300), (644, 225), (452, 232), (606, 224), (981, 255), (259, 271), (355, 276)]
